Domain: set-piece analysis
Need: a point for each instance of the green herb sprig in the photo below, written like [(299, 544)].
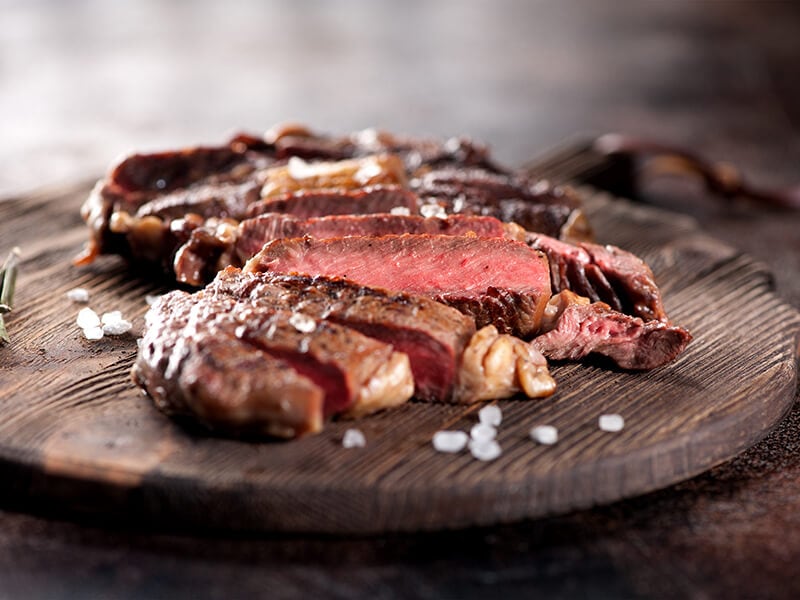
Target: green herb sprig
[(8, 282)]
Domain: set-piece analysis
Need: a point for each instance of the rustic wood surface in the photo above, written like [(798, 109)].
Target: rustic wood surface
[(81, 82), (72, 413)]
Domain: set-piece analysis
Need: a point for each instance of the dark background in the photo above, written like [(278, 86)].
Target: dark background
[(82, 82)]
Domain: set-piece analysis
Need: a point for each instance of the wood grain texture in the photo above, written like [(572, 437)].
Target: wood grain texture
[(76, 430)]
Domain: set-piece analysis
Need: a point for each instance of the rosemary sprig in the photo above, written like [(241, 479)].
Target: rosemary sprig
[(8, 282)]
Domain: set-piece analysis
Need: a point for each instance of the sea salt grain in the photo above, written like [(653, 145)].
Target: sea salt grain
[(402, 211), (482, 433), (433, 210), (485, 451), (491, 415), (303, 323), (353, 438), (87, 319), (78, 295), (119, 327), (544, 434), (612, 423), (111, 317), (93, 333), (150, 299), (449, 441)]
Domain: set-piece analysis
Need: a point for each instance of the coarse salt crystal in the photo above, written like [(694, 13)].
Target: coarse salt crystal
[(353, 438), (612, 423), (449, 441), (93, 333), (402, 211), (78, 295), (151, 298), (491, 415), (117, 327), (303, 323), (433, 210), (111, 317), (87, 318), (482, 432), (485, 451), (369, 169), (367, 137), (544, 434)]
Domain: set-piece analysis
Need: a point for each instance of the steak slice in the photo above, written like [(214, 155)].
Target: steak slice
[(226, 200), (449, 361), (308, 204), (496, 281), (189, 369), (578, 328), (141, 178), (431, 334), (534, 205), (296, 140), (602, 274), (356, 374), (254, 233)]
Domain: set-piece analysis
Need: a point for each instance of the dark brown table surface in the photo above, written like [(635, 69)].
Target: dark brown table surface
[(81, 82)]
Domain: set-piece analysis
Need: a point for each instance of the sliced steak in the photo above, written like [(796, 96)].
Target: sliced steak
[(631, 278), (213, 247), (190, 369), (449, 360), (293, 140), (131, 211), (355, 373), (308, 204), (433, 335), (578, 328), (254, 233), (222, 200), (602, 273), (534, 205), (141, 178), (496, 281)]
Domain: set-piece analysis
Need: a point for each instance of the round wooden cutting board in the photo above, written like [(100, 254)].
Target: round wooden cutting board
[(76, 432)]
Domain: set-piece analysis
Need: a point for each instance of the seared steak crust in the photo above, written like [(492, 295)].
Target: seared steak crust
[(197, 346), (189, 367), (510, 311)]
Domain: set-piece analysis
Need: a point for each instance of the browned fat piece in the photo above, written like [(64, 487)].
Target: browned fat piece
[(356, 173), (216, 357), (496, 281)]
